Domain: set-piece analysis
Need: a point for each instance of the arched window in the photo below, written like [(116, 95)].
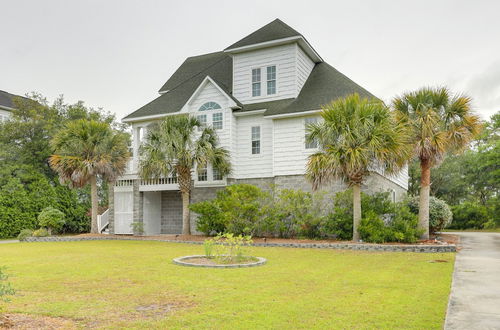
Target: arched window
[(209, 106)]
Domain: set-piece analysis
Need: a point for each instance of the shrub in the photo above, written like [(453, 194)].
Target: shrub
[(402, 226), (137, 228), (293, 213), (372, 229), (238, 210), (469, 215), (210, 218), (25, 233), (52, 219), (440, 214), (337, 224), (42, 232)]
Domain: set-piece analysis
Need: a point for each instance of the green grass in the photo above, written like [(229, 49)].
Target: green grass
[(102, 283)]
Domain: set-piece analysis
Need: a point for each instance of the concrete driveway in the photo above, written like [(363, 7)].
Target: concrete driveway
[(475, 293)]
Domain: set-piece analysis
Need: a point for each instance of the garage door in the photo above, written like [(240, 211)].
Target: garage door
[(124, 212)]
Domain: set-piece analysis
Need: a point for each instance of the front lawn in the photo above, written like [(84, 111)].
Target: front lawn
[(134, 284)]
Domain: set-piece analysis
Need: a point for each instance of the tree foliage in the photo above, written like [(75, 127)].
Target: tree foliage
[(174, 147), (27, 184), (356, 135)]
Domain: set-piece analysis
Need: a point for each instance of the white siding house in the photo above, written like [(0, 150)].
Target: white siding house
[(259, 94)]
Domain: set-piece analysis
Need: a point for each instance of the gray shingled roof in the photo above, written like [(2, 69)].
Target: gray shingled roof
[(6, 99), (183, 83), (272, 31), (324, 84)]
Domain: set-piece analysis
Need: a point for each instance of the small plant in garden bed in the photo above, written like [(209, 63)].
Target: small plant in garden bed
[(228, 248)]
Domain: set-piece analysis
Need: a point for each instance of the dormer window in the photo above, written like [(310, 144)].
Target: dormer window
[(256, 82), (268, 78), (271, 80)]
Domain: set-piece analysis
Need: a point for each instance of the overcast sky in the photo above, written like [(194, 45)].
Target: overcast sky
[(117, 54)]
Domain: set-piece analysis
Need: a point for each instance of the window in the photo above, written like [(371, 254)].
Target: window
[(256, 82), (216, 175), (209, 106), (202, 173), (217, 120), (271, 80), (307, 121), (255, 140), (203, 121)]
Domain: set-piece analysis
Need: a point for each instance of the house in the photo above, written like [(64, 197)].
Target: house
[(259, 93), (6, 104)]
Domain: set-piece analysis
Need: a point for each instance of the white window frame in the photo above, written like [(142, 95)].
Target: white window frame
[(263, 80), (199, 171), (257, 83), (255, 138), (271, 80), (221, 121)]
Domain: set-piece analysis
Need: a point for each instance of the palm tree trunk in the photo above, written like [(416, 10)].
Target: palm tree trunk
[(186, 226), (423, 209), (356, 211), (95, 204)]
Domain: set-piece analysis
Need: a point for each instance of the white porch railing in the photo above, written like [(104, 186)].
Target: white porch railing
[(168, 180), (102, 221)]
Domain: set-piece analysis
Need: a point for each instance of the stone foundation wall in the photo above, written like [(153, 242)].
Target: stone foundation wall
[(171, 208), (171, 212)]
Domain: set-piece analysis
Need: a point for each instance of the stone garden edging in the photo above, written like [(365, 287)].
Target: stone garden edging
[(339, 246), (180, 261)]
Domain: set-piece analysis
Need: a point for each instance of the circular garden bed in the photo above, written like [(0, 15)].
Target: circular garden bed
[(204, 261)]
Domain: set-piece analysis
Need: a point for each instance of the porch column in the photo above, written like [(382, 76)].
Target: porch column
[(111, 207), (138, 202)]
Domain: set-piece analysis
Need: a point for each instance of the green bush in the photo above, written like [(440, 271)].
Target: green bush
[(337, 224), (42, 232), (469, 215), (210, 218), (440, 215), (24, 192), (402, 226), (372, 229), (25, 233), (238, 208), (52, 219)]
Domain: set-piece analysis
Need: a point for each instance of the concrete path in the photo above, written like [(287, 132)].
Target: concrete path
[(9, 241), (475, 293)]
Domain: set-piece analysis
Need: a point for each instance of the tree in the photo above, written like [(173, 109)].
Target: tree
[(439, 122), (85, 150), (356, 135), (173, 147)]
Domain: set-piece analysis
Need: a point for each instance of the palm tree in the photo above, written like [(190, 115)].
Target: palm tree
[(355, 136), (173, 147), (439, 122), (85, 150)]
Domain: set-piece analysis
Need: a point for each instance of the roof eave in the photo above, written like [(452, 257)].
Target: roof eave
[(299, 39)]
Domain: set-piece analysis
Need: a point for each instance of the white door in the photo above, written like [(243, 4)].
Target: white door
[(152, 212), (124, 212)]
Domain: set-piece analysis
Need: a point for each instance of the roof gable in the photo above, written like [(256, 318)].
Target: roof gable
[(272, 31)]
